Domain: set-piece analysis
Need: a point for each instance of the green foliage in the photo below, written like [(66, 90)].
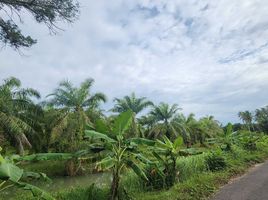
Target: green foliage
[(215, 161), (17, 113), (191, 165), (261, 116), (247, 119), (163, 172), (43, 11), (11, 175), (136, 105), (164, 114), (120, 152), (72, 103)]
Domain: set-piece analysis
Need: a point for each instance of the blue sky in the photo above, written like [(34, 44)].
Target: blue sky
[(210, 57)]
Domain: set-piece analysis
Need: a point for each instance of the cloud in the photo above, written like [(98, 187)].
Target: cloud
[(208, 56)]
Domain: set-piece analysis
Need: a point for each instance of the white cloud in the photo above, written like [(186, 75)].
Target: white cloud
[(208, 56)]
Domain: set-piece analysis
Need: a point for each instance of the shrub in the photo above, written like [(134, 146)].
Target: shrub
[(215, 161)]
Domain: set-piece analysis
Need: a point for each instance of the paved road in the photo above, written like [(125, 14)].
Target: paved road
[(252, 186)]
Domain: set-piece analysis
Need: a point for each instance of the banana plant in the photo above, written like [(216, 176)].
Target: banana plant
[(11, 175), (166, 153), (121, 153), (228, 138)]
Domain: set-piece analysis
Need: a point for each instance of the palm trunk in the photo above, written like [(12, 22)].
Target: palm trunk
[(20, 148), (115, 185), (71, 167)]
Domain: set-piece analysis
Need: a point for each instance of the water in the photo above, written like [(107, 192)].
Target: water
[(63, 183)]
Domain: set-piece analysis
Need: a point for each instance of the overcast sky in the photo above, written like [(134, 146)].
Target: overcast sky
[(210, 57)]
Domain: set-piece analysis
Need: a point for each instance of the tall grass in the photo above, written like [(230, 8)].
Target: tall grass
[(189, 166)]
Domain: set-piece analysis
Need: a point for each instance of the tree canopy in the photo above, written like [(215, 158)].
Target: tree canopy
[(48, 12)]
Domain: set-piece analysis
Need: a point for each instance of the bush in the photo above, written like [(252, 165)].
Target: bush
[(215, 161)]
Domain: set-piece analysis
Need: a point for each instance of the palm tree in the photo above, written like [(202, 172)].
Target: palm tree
[(208, 127), (261, 117), (136, 105), (186, 125), (72, 104), (17, 112), (247, 118), (164, 115)]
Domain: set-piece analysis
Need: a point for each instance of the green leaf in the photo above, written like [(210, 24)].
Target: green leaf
[(229, 129), (162, 145), (142, 141), (37, 192), (158, 157), (167, 142), (122, 122), (36, 175), (10, 171), (107, 163), (142, 159), (97, 135), (101, 127), (47, 156), (137, 169), (178, 142)]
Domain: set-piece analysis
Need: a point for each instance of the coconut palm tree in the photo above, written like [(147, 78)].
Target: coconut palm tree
[(136, 105), (17, 112), (164, 115), (72, 104), (247, 118)]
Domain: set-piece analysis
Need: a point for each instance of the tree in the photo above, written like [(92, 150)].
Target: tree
[(208, 127), (247, 118), (186, 126), (120, 151), (72, 104), (136, 105), (133, 103), (164, 115), (48, 12), (17, 112), (261, 116)]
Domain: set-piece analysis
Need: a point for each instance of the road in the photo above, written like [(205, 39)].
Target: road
[(251, 186)]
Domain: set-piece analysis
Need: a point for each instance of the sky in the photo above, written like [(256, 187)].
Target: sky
[(210, 57)]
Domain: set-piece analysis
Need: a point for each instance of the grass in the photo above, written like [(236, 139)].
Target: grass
[(50, 168), (189, 166)]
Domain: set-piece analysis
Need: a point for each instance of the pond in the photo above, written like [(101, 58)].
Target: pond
[(63, 183)]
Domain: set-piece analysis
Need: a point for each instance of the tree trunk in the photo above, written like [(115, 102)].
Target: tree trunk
[(20, 148), (71, 168), (115, 185)]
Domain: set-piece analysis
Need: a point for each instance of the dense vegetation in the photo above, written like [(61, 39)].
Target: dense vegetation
[(151, 151)]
